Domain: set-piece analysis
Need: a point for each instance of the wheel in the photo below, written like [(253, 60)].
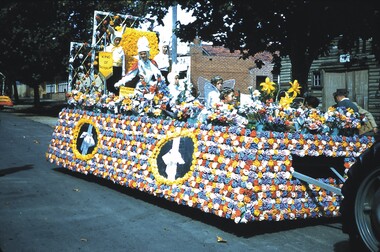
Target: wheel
[(360, 207), (367, 210)]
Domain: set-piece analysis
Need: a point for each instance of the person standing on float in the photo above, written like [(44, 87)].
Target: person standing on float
[(118, 57), (163, 61)]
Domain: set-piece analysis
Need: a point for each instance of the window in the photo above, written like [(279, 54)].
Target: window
[(317, 80), (62, 87)]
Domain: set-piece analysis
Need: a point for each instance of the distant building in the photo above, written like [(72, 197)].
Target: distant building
[(359, 72), (208, 61)]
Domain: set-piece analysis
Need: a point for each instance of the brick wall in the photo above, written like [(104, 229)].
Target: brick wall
[(228, 67)]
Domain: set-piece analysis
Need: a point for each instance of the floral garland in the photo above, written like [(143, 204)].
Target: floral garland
[(261, 113), (344, 119)]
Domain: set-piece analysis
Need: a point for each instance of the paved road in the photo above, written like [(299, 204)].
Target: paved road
[(47, 208)]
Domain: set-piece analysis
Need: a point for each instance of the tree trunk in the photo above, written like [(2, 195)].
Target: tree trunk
[(300, 72), (36, 95), (15, 92), (300, 55)]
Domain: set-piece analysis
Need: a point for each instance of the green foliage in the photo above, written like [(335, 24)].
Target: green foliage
[(36, 38), (302, 30)]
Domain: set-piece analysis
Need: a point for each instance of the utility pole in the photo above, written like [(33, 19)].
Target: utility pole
[(174, 37)]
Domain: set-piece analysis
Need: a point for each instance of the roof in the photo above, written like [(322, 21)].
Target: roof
[(220, 51), (225, 52)]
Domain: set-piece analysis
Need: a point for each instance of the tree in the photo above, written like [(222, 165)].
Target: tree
[(302, 30), (36, 38)]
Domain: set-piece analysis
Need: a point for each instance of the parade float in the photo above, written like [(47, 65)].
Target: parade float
[(279, 163)]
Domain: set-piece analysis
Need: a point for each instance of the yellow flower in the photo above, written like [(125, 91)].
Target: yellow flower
[(286, 100), (157, 112), (256, 212), (268, 86), (295, 88)]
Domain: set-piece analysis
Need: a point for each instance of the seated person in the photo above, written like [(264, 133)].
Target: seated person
[(311, 102), (143, 71), (370, 127), (174, 84), (227, 96), (212, 91)]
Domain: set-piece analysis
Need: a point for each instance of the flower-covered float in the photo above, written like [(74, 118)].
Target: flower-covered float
[(263, 169)]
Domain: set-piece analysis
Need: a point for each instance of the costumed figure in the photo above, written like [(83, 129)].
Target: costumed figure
[(212, 91), (212, 96), (118, 57), (143, 72), (175, 87)]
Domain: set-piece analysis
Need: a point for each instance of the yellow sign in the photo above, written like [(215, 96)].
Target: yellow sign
[(125, 91), (105, 64)]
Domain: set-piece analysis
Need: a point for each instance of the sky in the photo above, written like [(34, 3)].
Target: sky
[(166, 30)]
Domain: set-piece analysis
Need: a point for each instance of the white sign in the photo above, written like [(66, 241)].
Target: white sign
[(343, 58)]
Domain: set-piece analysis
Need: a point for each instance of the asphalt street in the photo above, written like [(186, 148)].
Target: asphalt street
[(44, 207)]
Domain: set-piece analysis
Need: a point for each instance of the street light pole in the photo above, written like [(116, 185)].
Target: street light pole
[(174, 37)]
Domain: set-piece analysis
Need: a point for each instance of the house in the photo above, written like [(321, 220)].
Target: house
[(358, 72)]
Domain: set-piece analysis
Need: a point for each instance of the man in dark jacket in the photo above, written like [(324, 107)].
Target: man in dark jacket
[(341, 99)]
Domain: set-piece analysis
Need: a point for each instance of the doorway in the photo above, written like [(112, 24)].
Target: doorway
[(356, 82)]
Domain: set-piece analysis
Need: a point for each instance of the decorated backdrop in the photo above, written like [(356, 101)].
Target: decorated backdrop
[(129, 43)]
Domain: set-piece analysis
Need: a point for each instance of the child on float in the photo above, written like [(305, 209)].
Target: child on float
[(212, 91), (175, 87), (118, 57), (228, 98), (212, 97)]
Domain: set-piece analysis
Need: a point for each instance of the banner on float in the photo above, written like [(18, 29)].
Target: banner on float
[(126, 91), (105, 64)]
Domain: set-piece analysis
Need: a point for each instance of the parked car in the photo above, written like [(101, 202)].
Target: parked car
[(360, 207)]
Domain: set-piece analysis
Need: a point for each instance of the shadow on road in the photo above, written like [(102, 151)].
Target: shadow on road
[(243, 230), (10, 170), (47, 109)]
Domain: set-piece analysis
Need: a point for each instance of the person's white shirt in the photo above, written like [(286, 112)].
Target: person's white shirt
[(118, 56), (162, 61)]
